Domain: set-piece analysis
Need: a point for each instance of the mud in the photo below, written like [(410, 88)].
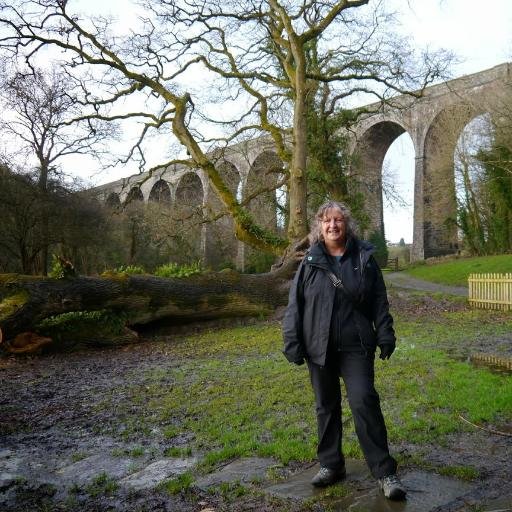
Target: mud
[(51, 451), (53, 448)]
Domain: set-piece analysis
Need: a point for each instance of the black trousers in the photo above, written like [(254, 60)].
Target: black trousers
[(357, 371)]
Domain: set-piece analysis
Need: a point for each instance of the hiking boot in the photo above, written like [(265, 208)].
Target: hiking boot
[(327, 476), (392, 487)]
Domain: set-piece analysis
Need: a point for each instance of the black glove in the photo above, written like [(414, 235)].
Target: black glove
[(299, 362), (386, 349)]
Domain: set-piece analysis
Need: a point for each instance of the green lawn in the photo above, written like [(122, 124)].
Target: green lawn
[(233, 394), (456, 272)]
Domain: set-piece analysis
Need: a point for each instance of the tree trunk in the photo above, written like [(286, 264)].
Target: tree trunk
[(298, 225), (26, 301), (43, 186)]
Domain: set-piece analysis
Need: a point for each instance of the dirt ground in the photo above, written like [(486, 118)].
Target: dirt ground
[(50, 415)]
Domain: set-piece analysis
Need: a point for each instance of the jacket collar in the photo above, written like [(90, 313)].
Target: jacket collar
[(319, 257)]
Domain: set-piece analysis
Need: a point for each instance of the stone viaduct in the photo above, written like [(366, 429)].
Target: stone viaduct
[(246, 168), (434, 123)]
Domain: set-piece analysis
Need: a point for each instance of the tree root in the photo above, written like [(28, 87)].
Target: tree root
[(25, 343), (485, 429)]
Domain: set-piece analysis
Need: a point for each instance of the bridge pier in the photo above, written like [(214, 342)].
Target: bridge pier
[(418, 247)]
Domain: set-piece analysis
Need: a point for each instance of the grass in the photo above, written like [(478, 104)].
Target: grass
[(230, 491), (78, 456), (102, 485), (426, 389), (455, 272), (179, 484), (234, 391), (176, 451), (461, 472)]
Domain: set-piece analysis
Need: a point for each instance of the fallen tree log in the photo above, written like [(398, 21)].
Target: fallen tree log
[(26, 302), (103, 310)]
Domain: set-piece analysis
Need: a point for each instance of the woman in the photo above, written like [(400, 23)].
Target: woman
[(337, 315)]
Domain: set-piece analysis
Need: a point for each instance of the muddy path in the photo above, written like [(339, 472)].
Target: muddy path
[(60, 449), (403, 280)]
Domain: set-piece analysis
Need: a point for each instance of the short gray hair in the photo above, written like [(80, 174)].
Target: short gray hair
[(315, 234)]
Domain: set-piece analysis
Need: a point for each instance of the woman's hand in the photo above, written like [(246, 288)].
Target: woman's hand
[(386, 349)]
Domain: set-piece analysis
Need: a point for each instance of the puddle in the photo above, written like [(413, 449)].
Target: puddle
[(299, 486), (426, 491)]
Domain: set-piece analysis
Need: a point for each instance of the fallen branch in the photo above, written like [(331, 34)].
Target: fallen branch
[(492, 431)]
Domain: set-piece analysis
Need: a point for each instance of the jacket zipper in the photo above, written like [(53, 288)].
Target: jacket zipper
[(362, 270)]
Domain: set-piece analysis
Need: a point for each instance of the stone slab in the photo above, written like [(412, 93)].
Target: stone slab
[(158, 471), (244, 470), (5, 453), (10, 464), (10, 469), (86, 470)]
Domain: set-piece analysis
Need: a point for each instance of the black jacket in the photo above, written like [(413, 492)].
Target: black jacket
[(307, 320)]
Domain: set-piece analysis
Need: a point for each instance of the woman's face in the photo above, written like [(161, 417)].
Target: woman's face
[(333, 226)]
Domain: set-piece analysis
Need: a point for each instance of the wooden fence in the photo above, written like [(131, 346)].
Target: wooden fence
[(392, 264), (490, 291)]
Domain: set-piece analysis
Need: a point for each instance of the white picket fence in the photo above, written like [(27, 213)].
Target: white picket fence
[(490, 291)]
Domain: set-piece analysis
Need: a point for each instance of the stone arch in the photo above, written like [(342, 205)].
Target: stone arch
[(135, 194), (264, 174), (189, 190), (188, 216), (367, 159), (113, 201), (160, 192), (439, 200), (230, 175), (221, 244), (398, 176)]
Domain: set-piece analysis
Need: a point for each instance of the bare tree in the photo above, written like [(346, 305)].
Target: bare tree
[(40, 107), (20, 233), (483, 174), (269, 56), (33, 219)]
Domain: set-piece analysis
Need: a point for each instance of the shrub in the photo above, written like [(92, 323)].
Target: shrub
[(61, 268), (175, 270), (76, 328)]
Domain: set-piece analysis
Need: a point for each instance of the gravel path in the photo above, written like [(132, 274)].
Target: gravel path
[(403, 280)]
